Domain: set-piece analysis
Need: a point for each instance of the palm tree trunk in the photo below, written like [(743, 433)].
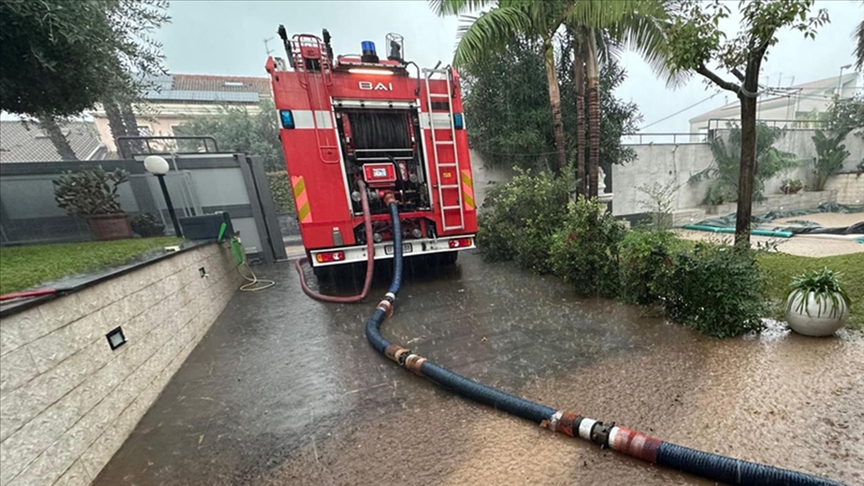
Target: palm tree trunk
[(49, 124), (555, 102), (579, 83), (592, 71)]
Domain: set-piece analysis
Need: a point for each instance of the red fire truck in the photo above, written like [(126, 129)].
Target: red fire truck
[(359, 123)]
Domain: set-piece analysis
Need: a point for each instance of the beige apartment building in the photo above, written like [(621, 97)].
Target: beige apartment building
[(179, 97)]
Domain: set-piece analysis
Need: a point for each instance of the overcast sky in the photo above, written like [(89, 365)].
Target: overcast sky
[(227, 37)]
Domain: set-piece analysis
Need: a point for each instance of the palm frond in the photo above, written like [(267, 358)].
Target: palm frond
[(488, 34), (442, 8), (859, 46)]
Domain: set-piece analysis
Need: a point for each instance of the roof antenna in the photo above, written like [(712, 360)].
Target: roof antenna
[(283, 34)]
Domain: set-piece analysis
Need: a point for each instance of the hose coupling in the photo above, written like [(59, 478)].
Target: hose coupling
[(600, 434), (563, 422), (389, 198), (414, 363), (397, 353), (390, 296), (387, 307)]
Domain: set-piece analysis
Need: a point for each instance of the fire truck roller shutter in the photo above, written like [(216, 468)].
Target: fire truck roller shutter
[(380, 130)]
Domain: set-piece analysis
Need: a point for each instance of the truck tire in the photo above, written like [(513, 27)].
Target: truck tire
[(448, 258)]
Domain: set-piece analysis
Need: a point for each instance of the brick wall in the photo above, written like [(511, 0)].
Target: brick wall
[(849, 187), (67, 401)]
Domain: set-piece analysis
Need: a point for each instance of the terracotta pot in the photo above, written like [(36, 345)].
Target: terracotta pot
[(815, 319), (110, 226)]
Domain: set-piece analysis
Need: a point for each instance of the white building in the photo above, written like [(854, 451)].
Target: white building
[(784, 105)]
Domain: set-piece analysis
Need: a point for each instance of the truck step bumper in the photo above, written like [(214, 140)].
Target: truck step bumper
[(384, 250)]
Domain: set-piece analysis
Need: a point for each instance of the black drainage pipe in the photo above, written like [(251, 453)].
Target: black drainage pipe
[(636, 444)]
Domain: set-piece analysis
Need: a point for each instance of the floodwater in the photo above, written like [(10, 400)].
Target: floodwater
[(285, 390)]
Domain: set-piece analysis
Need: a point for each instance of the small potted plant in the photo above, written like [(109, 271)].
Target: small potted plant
[(146, 225), (92, 193), (791, 186), (817, 305)]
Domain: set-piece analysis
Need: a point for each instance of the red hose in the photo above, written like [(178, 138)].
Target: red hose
[(370, 262), (32, 293)]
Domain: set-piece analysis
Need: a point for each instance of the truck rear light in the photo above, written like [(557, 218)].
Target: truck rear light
[(460, 243), (330, 256)]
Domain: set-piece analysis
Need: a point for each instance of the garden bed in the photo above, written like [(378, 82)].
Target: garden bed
[(22, 267)]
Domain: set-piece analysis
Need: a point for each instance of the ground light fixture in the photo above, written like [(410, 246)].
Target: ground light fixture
[(116, 338), (158, 166)]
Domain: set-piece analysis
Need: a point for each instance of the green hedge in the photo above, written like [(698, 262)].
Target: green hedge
[(283, 195), (711, 288)]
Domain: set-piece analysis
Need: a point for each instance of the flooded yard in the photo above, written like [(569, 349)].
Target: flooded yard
[(285, 390)]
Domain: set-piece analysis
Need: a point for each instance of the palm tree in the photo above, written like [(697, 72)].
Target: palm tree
[(859, 46), (600, 26), (634, 23), (489, 32)]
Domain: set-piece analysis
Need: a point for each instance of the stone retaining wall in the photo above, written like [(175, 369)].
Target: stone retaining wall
[(67, 401), (849, 187)]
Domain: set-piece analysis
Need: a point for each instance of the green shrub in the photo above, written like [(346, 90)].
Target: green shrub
[(519, 218), (644, 256), (584, 251), (714, 289), (280, 188)]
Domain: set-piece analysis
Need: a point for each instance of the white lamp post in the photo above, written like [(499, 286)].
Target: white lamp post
[(158, 166), (840, 80)]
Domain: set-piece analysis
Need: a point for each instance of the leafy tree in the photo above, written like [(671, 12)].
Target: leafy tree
[(60, 57), (695, 39), (724, 173), (845, 115), (509, 122), (238, 128)]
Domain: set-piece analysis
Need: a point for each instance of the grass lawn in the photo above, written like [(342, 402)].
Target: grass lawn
[(22, 267), (780, 268)]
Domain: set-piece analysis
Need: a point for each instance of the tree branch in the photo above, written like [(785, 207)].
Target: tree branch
[(738, 74), (704, 71)]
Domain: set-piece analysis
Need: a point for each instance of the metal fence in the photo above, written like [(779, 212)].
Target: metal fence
[(198, 183)]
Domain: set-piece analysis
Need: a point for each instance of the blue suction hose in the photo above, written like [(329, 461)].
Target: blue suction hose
[(636, 444)]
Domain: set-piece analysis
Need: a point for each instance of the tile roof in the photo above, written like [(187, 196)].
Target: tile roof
[(20, 142), (197, 88)]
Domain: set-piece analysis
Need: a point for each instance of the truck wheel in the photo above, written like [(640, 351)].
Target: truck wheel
[(323, 274), (448, 258)]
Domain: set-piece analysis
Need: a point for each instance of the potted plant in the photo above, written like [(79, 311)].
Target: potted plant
[(92, 193), (791, 186), (146, 225), (817, 305)]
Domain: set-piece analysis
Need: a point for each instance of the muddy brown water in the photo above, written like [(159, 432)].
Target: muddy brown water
[(285, 390)]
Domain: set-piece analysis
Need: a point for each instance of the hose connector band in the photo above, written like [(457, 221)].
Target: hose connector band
[(389, 198), (396, 353), (387, 307), (390, 296), (635, 444), (414, 363)]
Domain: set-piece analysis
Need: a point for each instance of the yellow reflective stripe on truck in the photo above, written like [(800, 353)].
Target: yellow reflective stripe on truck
[(301, 200), (468, 189)]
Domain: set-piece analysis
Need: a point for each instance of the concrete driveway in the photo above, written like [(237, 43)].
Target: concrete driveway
[(285, 390)]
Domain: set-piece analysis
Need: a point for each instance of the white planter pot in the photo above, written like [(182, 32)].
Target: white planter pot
[(815, 319)]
